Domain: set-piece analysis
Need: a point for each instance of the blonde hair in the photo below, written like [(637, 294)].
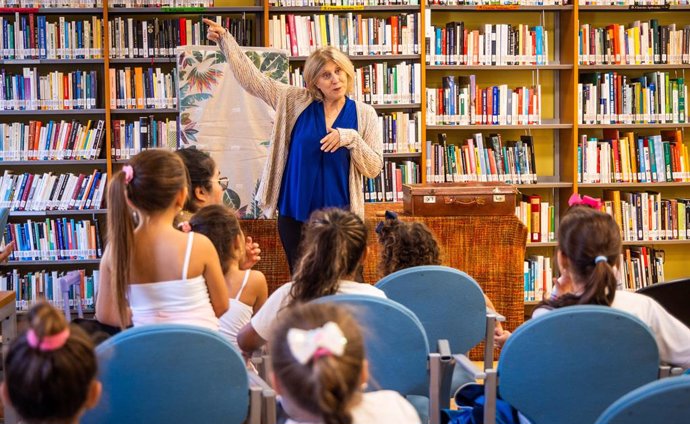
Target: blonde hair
[(317, 60)]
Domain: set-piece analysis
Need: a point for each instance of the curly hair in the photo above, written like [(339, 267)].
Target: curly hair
[(405, 245)]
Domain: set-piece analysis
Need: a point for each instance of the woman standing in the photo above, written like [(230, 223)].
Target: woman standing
[(322, 142)]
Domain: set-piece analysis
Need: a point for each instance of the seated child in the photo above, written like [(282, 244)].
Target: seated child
[(333, 246), (320, 370), (154, 271), (589, 249), (247, 289), (50, 371), (409, 244)]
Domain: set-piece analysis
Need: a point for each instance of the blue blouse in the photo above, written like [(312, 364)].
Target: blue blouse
[(314, 179)]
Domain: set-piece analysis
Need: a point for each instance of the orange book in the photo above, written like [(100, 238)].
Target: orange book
[(128, 88), (139, 87)]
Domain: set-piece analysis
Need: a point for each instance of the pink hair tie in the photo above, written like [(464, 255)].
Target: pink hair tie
[(48, 343), (185, 226), (129, 173), (592, 202)]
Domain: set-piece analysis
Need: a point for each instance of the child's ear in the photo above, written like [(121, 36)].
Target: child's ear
[(94, 395), (5, 394), (365, 372), (366, 253)]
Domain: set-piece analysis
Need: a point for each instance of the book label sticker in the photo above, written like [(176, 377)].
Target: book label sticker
[(499, 198), (429, 199)]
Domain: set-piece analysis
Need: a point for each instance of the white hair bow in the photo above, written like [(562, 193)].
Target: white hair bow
[(307, 344)]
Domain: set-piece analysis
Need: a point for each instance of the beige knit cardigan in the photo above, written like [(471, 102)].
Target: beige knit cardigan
[(365, 144)]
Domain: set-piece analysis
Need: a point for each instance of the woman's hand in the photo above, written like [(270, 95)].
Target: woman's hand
[(331, 142), (500, 336), (215, 31)]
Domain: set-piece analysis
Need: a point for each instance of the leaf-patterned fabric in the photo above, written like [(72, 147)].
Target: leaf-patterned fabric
[(220, 117)]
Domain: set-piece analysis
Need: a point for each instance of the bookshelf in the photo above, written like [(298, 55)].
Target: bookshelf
[(650, 27)]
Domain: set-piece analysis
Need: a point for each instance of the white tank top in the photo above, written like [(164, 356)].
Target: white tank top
[(237, 316), (184, 301)]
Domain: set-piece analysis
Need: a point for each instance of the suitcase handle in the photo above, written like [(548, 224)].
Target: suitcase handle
[(449, 200)]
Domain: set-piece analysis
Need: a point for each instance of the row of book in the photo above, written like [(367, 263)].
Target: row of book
[(55, 90), (613, 98), (380, 83), (351, 33), (646, 215), (478, 160), (537, 277), (50, 3), (161, 3), (641, 266), (342, 3), (33, 287), (462, 101), (634, 2), (34, 37), (402, 132), (638, 43), (54, 239), (47, 191), (628, 158), (387, 187), (497, 2), (491, 44), (53, 140), (136, 88), (159, 37), (539, 217), (146, 132)]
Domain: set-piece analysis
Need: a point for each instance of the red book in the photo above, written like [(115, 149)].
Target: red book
[(535, 218), (183, 31), (290, 25)]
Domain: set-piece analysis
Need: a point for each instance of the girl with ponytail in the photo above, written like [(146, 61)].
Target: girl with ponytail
[(333, 248), (320, 369), (589, 252), (152, 272), (50, 370)]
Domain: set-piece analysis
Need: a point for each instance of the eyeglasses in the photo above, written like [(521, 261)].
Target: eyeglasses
[(223, 182)]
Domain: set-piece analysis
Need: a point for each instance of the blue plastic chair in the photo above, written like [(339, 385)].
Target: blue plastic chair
[(450, 305), (397, 350), (567, 366), (171, 374), (664, 401)]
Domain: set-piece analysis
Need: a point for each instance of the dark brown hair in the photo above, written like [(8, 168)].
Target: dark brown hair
[(332, 247), (158, 176), (328, 386), (200, 166), (49, 386), (583, 235), (405, 245), (220, 224)]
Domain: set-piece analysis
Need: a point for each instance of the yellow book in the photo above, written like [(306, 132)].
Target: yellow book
[(636, 39), (630, 137), (128, 88), (139, 87)]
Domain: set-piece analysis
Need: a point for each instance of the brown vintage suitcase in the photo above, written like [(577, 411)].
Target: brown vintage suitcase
[(446, 199)]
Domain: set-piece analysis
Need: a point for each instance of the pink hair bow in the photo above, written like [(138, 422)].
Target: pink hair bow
[(323, 341), (592, 202), (185, 226), (48, 343), (129, 173)]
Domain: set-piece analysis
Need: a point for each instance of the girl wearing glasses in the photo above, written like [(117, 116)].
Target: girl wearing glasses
[(322, 142), (206, 187)]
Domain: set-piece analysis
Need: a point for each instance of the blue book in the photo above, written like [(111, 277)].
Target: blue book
[(4, 215), (42, 51), (495, 101)]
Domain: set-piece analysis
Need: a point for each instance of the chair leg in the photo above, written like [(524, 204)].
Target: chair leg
[(489, 342), (490, 391)]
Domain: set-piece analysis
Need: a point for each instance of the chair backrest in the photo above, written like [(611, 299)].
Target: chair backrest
[(170, 373), (568, 365), (395, 343), (663, 401), (449, 303), (674, 296)]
